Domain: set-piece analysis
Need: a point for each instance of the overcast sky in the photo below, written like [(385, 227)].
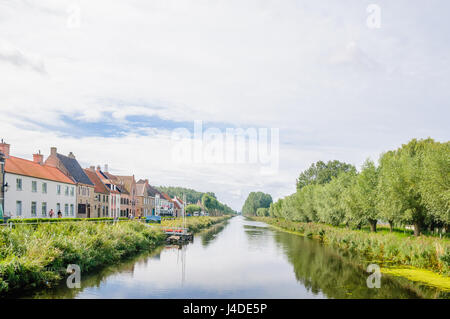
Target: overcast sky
[(111, 80)]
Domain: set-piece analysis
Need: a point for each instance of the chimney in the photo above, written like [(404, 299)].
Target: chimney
[(38, 158), (4, 148), (71, 155), (146, 181), (106, 168), (92, 168), (53, 151), (99, 168)]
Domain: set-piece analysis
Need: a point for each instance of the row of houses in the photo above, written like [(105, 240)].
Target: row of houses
[(58, 184)]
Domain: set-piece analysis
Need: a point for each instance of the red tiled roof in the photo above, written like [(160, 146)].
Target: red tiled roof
[(99, 187), (20, 166)]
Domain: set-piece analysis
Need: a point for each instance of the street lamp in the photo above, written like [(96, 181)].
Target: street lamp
[(3, 185)]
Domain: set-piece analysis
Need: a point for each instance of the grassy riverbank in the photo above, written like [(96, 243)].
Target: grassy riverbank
[(195, 224), (33, 256), (424, 259), (38, 255)]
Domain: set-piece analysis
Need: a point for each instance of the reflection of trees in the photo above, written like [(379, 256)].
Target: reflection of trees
[(322, 269), (209, 234), (96, 279)]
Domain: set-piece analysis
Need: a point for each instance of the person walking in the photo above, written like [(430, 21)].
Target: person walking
[(51, 213), (59, 214)]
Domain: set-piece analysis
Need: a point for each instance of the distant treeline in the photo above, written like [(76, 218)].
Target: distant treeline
[(257, 204), (208, 200), (409, 186), (192, 196)]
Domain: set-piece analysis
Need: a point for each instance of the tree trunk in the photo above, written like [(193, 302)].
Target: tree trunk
[(373, 225), (391, 226), (416, 228)]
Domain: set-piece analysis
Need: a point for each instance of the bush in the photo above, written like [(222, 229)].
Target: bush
[(37, 256)]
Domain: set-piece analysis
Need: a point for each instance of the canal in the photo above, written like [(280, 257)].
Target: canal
[(239, 259)]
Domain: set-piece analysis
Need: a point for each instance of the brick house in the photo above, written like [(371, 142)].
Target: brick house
[(101, 194), (128, 183), (145, 199), (114, 192), (85, 188)]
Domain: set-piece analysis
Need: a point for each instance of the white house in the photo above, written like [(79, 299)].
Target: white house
[(35, 188)]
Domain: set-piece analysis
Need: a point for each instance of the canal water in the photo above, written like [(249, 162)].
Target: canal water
[(239, 259)]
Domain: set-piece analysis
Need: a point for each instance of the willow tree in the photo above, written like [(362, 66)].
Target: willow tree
[(329, 199), (401, 174), (366, 193), (435, 183)]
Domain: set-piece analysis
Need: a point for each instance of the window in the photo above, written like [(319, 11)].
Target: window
[(66, 209), (66, 191), (19, 184), (44, 209), (58, 189), (44, 188), (58, 207), (19, 208), (33, 208), (72, 211), (34, 186), (72, 191)]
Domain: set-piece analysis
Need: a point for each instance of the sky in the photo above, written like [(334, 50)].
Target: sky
[(111, 81)]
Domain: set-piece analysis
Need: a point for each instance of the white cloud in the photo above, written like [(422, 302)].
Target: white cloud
[(335, 88)]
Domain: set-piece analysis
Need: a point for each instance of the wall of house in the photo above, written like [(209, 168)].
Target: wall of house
[(86, 196), (27, 196), (114, 205), (101, 205)]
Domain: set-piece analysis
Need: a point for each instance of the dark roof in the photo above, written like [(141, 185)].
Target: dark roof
[(153, 191), (75, 170)]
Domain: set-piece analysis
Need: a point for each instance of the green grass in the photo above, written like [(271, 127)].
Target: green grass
[(194, 223), (37, 255)]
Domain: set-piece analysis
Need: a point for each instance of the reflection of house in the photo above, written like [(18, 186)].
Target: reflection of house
[(35, 188), (145, 202), (101, 194), (85, 188)]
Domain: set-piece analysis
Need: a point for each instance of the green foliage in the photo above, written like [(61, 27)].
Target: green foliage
[(190, 209), (262, 212), (411, 186), (254, 201), (33, 256), (59, 220), (390, 249), (214, 207), (192, 196), (322, 173)]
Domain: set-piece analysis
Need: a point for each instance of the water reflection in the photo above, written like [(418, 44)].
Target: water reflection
[(239, 259)]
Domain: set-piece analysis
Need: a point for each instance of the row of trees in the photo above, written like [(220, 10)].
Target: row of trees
[(208, 200), (192, 196), (410, 186), (214, 207), (257, 204)]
